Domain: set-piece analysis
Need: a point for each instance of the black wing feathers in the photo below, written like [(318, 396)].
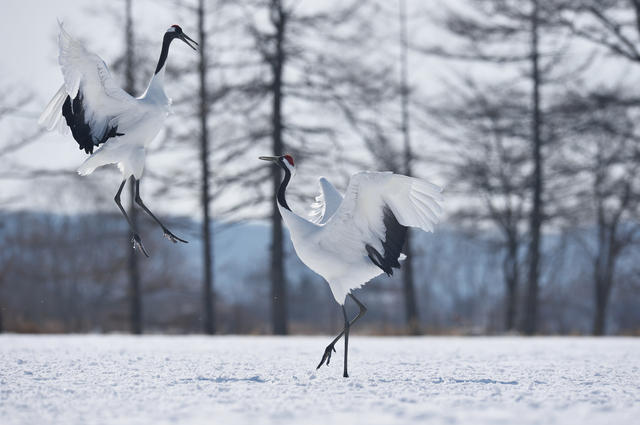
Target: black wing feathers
[(75, 120), (395, 235), (73, 112)]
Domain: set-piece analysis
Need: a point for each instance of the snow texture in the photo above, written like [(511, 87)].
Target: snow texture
[(272, 380)]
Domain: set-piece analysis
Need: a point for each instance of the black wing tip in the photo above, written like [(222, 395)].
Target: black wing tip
[(395, 236), (74, 114), (378, 259)]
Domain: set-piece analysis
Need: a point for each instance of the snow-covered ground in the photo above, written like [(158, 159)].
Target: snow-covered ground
[(267, 380)]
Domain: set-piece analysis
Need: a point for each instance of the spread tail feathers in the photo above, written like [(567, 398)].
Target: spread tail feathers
[(50, 117), (85, 169), (90, 164)]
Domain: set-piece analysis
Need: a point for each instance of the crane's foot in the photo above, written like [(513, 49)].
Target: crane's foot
[(137, 244), (173, 238), (327, 355)]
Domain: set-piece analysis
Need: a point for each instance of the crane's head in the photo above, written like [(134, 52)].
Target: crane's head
[(284, 161), (175, 31)]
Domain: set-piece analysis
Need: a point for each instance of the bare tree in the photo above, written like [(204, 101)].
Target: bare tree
[(210, 102), (535, 226), (487, 128), (133, 267), (601, 159), (613, 24), (276, 58), (411, 308), (208, 259), (4, 265), (484, 33), (290, 97), (614, 27)]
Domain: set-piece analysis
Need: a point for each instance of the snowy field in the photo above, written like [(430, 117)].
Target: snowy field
[(267, 380)]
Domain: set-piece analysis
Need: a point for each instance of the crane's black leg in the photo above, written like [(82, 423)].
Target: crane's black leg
[(346, 340), (167, 233), (326, 357), (135, 239)]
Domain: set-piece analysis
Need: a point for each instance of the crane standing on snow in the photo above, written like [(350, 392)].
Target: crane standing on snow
[(98, 112), (352, 240)]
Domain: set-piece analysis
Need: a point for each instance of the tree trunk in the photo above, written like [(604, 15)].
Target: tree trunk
[(603, 276), (603, 273), (601, 298), (133, 269), (208, 294), (511, 279), (411, 308), (531, 317), (413, 319), (278, 279), (510, 315), (1, 308)]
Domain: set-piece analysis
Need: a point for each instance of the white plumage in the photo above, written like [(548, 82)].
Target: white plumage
[(335, 246), (327, 202), (105, 106), (99, 113), (348, 241)]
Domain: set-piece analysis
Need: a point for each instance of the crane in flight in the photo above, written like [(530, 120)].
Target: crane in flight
[(101, 114), (349, 241)]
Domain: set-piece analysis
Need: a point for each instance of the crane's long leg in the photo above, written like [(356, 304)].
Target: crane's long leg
[(167, 233), (346, 340), (331, 347), (137, 242)]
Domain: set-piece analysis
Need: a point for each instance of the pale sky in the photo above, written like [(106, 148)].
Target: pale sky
[(30, 60), (33, 49)]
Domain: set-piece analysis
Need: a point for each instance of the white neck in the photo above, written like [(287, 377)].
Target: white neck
[(155, 90), (298, 226)]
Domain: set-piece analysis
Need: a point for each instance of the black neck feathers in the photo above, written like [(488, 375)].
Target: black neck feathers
[(166, 41), (283, 187)]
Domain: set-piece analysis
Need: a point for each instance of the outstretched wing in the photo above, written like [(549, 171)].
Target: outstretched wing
[(90, 101), (375, 213), (326, 204)]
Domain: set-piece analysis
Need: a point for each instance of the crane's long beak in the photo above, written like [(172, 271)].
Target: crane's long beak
[(184, 37), (269, 158)]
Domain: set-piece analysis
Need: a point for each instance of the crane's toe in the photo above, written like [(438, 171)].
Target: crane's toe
[(173, 238), (137, 244), (327, 355)]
